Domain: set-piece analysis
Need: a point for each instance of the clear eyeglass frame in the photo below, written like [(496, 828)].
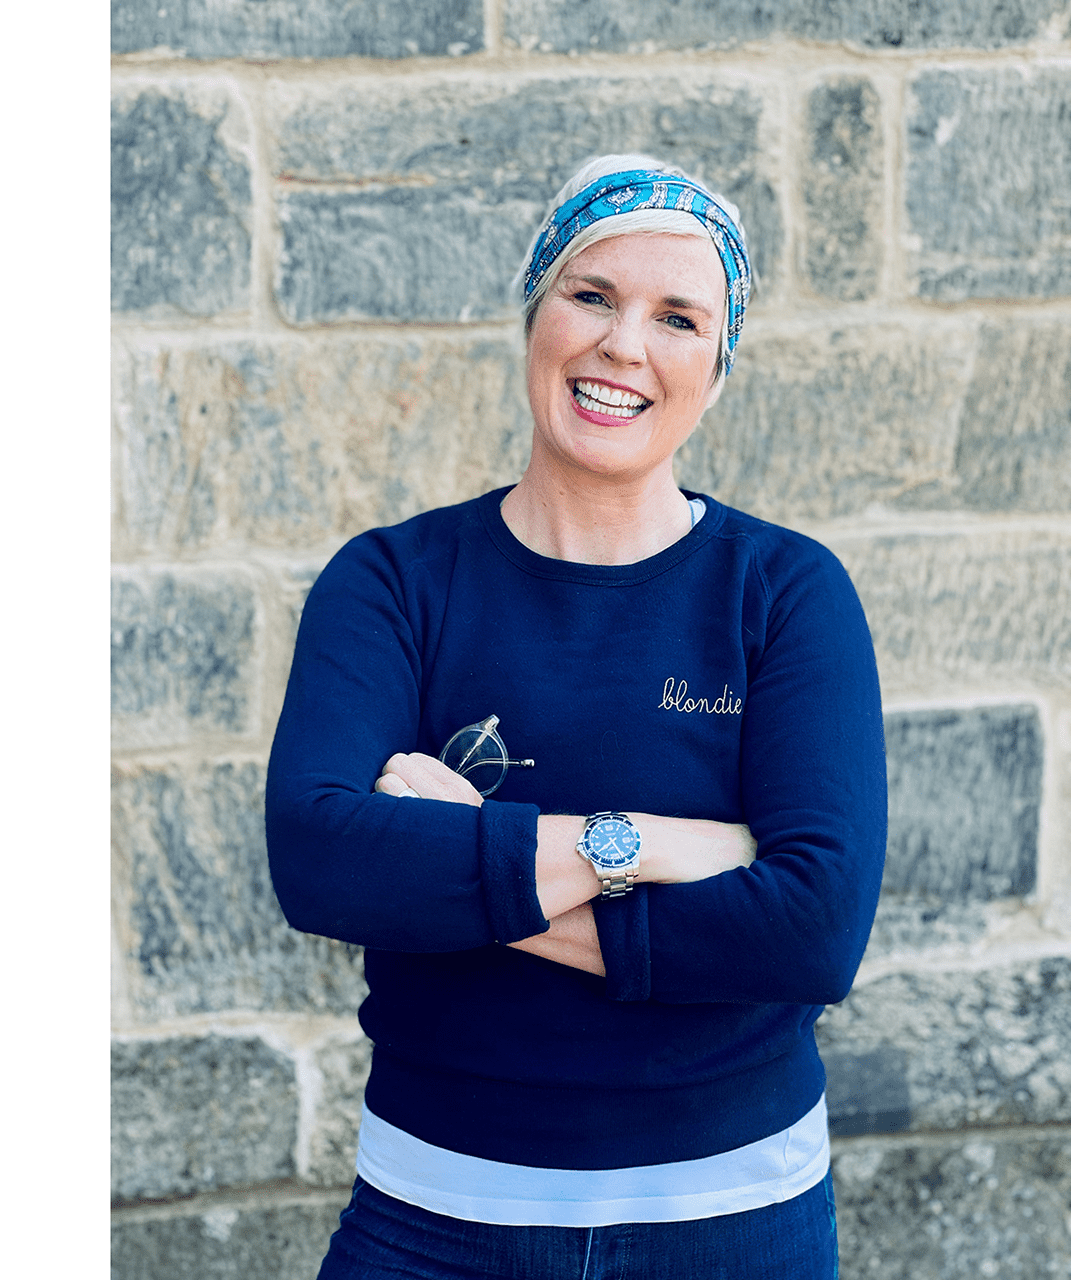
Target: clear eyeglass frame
[(478, 753)]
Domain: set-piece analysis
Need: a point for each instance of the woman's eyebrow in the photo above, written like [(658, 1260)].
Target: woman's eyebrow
[(686, 304), (599, 282)]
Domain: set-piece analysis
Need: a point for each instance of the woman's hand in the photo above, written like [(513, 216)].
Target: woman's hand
[(425, 778), (572, 940)]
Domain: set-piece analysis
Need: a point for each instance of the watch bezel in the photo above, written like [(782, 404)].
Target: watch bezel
[(597, 859)]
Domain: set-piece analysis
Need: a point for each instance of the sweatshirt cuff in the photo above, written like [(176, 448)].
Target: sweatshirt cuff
[(508, 837), (625, 941)]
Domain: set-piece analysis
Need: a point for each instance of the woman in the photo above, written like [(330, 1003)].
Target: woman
[(592, 995)]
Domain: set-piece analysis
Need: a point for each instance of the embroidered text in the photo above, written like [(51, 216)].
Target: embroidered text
[(675, 698)]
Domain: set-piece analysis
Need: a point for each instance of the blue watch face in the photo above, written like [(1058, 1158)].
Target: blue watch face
[(612, 842)]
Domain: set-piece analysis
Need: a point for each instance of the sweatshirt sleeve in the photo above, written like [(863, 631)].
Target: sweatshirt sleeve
[(346, 861), (793, 926)]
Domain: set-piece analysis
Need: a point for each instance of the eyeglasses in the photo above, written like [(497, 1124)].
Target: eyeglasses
[(478, 753)]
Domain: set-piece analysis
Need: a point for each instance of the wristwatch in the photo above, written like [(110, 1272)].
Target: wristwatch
[(611, 843)]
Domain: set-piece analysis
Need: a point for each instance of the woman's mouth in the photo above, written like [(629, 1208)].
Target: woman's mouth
[(596, 397)]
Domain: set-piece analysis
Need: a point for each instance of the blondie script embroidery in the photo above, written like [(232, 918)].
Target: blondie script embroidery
[(675, 698)]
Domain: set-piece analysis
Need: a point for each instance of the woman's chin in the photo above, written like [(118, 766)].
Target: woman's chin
[(611, 457)]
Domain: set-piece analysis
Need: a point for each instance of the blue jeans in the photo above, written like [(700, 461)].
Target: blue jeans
[(381, 1238)]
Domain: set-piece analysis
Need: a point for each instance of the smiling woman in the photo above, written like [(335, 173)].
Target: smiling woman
[(624, 355), (593, 980)]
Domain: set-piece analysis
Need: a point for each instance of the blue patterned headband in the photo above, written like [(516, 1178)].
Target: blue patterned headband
[(637, 189)]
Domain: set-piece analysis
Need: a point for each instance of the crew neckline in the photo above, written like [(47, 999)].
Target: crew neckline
[(597, 574)]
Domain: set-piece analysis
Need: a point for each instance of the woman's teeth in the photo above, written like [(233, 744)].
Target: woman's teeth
[(597, 398)]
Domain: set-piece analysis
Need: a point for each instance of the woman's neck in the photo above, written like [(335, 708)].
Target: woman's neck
[(591, 520)]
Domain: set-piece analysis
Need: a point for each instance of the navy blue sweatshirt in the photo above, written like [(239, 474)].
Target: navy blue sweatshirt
[(731, 677)]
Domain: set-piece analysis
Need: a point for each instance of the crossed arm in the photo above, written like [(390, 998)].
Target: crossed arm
[(675, 851)]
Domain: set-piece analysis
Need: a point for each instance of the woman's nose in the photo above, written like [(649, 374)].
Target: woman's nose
[(624, 341)]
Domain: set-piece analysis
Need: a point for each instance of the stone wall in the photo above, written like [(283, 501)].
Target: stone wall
[(317, 209)]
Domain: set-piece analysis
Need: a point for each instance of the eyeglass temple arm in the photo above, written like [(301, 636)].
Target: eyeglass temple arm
[(517, 764)]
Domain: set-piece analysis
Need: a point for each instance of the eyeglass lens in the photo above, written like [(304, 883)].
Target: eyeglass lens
[(478, 753)]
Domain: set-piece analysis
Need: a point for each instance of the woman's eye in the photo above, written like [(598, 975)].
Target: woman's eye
[(679, 322), (586, 295)]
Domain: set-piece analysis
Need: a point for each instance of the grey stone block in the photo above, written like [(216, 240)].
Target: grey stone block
[(867, 1092), (842, 189), (907, 928), (197, 1114), (828, 423), (299, 443), (181, 205), (991, 1047), (200, 924), (964, 804), (986, 607), (977, 1205), (398, 254), (343, 1066), (289, 589), (218, 445), (183, 655), (515, 137), (454, 178), (298, 28), (226, 1241), (614, 26), (987, 175), (1013, 451)]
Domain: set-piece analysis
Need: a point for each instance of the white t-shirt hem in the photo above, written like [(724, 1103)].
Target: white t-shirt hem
[(769, 1171)]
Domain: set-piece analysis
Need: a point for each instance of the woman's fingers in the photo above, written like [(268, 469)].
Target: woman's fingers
[(391, 784), (424, 776)]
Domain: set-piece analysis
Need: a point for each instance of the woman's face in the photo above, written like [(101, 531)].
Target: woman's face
[(622, 353)]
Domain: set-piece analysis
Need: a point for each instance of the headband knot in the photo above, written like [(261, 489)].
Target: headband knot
[(636, 189)]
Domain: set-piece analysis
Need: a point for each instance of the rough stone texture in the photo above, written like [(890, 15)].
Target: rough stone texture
[(280, 444), (343, 1065), (183, 655), (956, 1048), (562, 26), (827, 422), (906, 929), (1056, 913), (518, 136), (964, 801), (1014, 446), (964, 810), (288, 589), (989, 607), (988, 167), (454, 179), (298, 28), (842, 189), (226, 1242), (181, 204), (192, 1114), (867, 1092), (959, 1209), (202, 928), (218, 444), (398, 253)]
